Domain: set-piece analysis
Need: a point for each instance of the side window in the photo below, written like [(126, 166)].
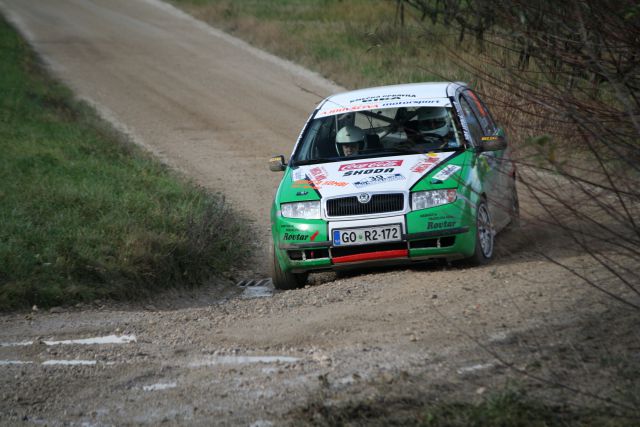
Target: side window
[(482, 113), (472, 121)]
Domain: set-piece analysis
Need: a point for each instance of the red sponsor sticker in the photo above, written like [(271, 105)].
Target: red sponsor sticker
[(425, 164), (368, 165), (348, 109), (318, 173)]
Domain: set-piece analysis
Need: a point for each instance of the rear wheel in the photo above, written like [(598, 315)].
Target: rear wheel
[(285, 280), (485, 236)]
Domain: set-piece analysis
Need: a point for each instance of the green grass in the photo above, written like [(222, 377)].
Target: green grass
[(83, 213)]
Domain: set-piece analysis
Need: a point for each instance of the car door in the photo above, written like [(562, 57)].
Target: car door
[(500, 197), (487, 164)]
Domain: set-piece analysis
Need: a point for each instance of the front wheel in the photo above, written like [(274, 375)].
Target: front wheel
[(485, 236), (285, 280)]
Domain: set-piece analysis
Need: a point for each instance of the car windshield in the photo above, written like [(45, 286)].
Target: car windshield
[(376, 133)]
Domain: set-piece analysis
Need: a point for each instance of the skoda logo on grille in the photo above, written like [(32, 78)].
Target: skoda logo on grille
[(364, 198)]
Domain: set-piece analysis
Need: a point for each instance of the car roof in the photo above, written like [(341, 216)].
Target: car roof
[(436, 94)]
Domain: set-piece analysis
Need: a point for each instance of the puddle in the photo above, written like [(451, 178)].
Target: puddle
[(69, 362), (109, 339), (159, 386), (241, 360), (262, 292), (15, 344), (262, 288), (474, 368)]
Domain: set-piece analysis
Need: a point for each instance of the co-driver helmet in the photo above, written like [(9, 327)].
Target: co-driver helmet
[(434, 120)]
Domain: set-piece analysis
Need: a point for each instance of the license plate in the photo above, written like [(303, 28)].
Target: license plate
[(364, 235)]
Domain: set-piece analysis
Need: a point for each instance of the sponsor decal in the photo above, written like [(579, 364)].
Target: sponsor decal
[(302, 193), (306, 183), (368, 171), (378, 179), (417, 102), (424, 165), (440, 225), (382, 98), (368, 165), (349, 109), (294, 236), (314, 235), (434, 216), (446, 172), (428, 215), (298, 174), (318, 173), (489, 138)]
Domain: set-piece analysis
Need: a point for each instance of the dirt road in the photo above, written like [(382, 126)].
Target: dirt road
[(217, 109)]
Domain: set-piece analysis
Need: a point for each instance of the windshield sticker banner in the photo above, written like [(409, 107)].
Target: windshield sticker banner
[(378, 179), (446, 172), (375, 98), (341, 110), (331, 108), (367, 165)]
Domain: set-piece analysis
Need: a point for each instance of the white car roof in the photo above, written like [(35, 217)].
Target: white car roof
[(416, 94)]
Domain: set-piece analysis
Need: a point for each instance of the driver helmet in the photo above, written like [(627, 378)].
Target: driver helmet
[(434, 120), (349, 135)]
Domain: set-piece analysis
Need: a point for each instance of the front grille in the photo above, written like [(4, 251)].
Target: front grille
[(379, 203), (440, 242)]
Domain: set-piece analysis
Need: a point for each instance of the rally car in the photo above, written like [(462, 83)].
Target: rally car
[(392, 175)]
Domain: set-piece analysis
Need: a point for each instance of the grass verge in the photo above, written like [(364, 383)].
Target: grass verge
[(84, 213), (508, 407)]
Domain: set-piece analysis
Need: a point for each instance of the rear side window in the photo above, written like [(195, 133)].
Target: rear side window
[(472, 120)]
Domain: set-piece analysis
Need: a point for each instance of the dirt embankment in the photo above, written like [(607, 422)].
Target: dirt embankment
[(217, 110)]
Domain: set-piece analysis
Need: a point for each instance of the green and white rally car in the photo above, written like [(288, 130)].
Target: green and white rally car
[(392, 175)]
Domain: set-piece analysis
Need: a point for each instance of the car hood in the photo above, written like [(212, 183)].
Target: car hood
[(382, 174)]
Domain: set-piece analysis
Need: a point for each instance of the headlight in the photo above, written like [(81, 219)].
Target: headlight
[(429, 199), (306, 210)]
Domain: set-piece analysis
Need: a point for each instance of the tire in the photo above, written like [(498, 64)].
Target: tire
[(485, 237), (285, 280)]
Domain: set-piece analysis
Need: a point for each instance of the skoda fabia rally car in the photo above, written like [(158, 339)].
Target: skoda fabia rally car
[(392, 175)]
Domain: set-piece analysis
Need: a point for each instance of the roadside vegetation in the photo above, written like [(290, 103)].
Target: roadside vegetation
[(356, 43), (85, 214)]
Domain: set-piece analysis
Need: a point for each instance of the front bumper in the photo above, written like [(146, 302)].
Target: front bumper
[(446, 231)]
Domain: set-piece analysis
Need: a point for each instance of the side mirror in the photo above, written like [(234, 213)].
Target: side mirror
[(277, 164), (494, 143)]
